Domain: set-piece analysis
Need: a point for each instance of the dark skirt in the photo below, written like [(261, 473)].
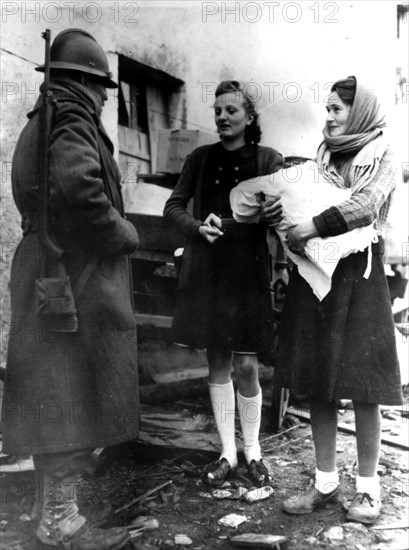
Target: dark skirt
[(227, 304), (344, 346)]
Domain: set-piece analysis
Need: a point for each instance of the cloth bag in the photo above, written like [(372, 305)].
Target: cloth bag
[(304, 193)]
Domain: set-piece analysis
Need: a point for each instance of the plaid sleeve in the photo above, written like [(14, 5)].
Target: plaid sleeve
[(330, 223), (365, 206)]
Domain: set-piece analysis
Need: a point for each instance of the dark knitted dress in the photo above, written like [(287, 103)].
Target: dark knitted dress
[(344, 346), (227, 304)]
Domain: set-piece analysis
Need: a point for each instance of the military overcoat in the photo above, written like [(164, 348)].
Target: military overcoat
[(68, 391)]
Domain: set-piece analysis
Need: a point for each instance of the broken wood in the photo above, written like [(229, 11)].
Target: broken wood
[(157, 321), (343, 427), (181, 431), (281, 433), (286, 443), (253, 540), (153, 394), (142, 497), (391, 526)]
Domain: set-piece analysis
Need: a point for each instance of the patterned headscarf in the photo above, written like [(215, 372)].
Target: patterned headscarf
[(363, 135), (365, 123)]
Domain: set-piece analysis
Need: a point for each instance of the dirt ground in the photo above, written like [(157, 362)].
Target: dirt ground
[(181, 504)]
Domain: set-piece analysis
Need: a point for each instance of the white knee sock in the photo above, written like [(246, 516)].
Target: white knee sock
[(250, 419), (369, 485), (326, 482), (223, 403)]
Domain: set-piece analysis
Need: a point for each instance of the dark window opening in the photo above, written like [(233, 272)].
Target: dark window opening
[(132, 106)]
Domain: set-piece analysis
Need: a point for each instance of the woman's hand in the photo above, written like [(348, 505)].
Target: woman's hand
[(271, 211), (298, 236), (211, 228)]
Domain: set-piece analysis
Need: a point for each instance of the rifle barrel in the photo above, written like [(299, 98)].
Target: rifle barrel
[(46, 113)]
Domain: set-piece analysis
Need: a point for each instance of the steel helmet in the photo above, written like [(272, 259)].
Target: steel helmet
[(76, 49)]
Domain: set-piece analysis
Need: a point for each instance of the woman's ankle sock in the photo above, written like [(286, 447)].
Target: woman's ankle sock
[(326, 482)]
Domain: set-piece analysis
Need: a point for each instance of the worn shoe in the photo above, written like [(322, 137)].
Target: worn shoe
[(87, 538), (258, 472), (308, 501), (217, 472), (364, 509)]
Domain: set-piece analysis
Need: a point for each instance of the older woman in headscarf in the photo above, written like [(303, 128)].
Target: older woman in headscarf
[(343, 347)]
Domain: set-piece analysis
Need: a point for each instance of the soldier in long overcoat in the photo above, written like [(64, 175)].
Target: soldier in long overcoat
[(67, 393)]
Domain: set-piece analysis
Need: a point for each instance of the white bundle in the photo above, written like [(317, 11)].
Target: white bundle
[(304, 193)]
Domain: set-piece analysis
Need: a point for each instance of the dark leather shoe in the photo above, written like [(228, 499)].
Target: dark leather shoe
[(258, 472), (309, 500), (217, 472), (364, 509)]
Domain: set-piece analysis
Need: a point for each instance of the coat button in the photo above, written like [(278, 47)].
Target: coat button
[(220, 168), (236, 181), (236, 168), (217, 182)]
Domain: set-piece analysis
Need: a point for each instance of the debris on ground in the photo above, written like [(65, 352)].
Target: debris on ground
[(334, 533), (233, 494), (232, 520), (159, 493), (183, 540), (253, 540), (147, 523), (258, 494)]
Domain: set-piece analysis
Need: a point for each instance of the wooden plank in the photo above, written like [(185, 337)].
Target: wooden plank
[(158, 117), (157, 321), (133, 142), (173, 364), (153, 394), (153, 255), (163, 180), (178, 430), (305, 415)]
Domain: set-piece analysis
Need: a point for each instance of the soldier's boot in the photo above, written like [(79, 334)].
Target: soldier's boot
[(62, 526), (96, 515)]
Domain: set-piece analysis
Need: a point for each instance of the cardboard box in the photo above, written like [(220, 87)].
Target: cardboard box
[(175, 145)]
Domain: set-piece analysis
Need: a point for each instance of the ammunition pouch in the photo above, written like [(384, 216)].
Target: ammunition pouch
[(54, 303), (54, 298)]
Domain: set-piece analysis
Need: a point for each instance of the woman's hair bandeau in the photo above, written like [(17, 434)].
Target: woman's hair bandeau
[(253, 132), (346, 89)]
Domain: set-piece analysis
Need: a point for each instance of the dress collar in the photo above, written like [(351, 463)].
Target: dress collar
[(244, 152)]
